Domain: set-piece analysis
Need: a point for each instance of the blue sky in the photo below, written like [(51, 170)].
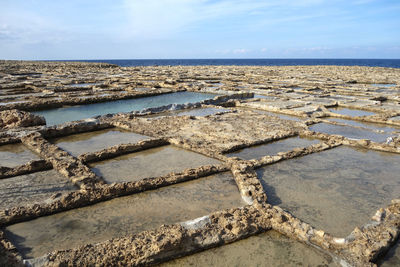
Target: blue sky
[(129, 29)]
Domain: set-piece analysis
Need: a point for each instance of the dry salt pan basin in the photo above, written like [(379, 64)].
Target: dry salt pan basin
[(125, 215), (267, 249), (152, 162), (201, 112), (281, 116), (14, 155), (32, 188), (78, 144), (349, 132), (351, 112), (334, 190), (272, 148)]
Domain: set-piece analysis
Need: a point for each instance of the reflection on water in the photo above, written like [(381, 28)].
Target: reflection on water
[(13, 155), (334, 190), (61, 115), (267, 249), (374, 126), (125, 215), (32, 188), (77, 144), (349, 132), (351, 112), (152, 162), (273, 148), (384, 85)]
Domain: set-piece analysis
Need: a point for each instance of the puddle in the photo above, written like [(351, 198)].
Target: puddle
[(125, 215), (265, 97), (13, 102), (373, 126), (397, 118), (61, 115), (351, 112), (142, 89), (13, 155), (82, 84), (270, 149), (386, 91), (267, 249), (392, 257), (384, 85), (152, 162), (32, 188), (93, 96), (78, 144), (349, 132), (334, 190)]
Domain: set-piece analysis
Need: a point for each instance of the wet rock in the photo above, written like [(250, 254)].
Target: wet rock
[(16, 118)]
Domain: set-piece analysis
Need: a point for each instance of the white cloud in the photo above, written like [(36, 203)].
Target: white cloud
[(161, 19), (167, 18), (241, 51), (28, 28)]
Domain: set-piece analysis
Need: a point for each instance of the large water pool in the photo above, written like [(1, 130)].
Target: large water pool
[(64, 114)]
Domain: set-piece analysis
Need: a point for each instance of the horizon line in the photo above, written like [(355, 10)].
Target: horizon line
[(294, 58)]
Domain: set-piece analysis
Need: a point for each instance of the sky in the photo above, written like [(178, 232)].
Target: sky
[(162, 29)]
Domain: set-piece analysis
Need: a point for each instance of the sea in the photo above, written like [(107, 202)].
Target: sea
[(389, 63)]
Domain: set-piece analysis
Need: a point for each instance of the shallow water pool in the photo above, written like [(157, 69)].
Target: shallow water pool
[(369, 125), (152, 162), (32, 188), (267, 249), (81, 143), (125, 215), (334, 190), (13, 155), (351, 112), (65, 114), (270, 149), (349, 132)]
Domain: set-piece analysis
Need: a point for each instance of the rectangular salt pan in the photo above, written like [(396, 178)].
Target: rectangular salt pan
[(267, 249), (351, 112), (273, 148), (369, 125), (32, 188), (349, 132), (78, 144), (150, 163), (125, 215), (334, 190), (65, 114), (13, 155)]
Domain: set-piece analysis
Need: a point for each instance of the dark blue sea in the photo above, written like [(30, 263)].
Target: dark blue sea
[(390, 63)]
